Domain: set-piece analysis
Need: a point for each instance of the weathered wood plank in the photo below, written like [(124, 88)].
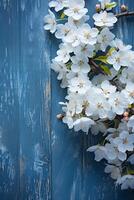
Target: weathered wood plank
[(34, 99), (9, 109), (75, 174), (28, 115)]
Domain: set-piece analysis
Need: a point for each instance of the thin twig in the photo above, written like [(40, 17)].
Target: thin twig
[(131, 13), (91, 61)]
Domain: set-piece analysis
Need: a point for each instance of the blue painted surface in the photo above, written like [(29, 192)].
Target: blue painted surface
[(39, 158)]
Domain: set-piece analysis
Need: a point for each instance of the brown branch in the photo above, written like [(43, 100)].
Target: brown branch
[(91, 62), (125, 14)]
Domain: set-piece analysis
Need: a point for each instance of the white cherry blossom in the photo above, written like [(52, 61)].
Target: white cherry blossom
[(126, 182), (130, 123), (80, 64), (114, 171), (117, 59), (118, 103), (105, 38), (79, 84), (125, 142), (104, 19), (85, 49), (63, 54), (76, 9), (118, 44), (101, 106), (107, 88), (99, 152), (58, 4), (78, 23), (126, 76), (88, 35), (129, 92), (62, 31), (60, 68), (50, 22), (83, 124)]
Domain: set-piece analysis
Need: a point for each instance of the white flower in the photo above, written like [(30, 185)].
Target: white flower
[(73, 39), (118, 44), (107, 88), (62, 31), (129, 58), (50, 22), (104, 19), (69, 121), (85, 49), (101, 105), (99, 127), (105, 38), (118, 103), (113, 153), (58, 4), (127, 75), (88, 35), (99, 152), (125, 142), (63, 54), (76, 9), (83, 124), (79, 84), (129, 92), (114, 171), (97, 104), (60, 68), (68, 34), (126, 182), (80, 64), (74, 105), (77, 23), (130, 123), (117, 60)]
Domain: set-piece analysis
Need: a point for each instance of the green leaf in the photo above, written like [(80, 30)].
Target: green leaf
[(102, 59), (68, 65), (111, 50), (106, 69), (131, 106), (62, 16), (111, 5), (130, 171)]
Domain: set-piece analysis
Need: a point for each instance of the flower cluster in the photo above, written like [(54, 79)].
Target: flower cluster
[(97, 70)]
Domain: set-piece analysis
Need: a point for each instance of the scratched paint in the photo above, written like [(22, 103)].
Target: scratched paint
[(40, 159), (7, 167)]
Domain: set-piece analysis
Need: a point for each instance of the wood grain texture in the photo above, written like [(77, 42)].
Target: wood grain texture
[(25, 101), (75, 174), (9, 113), (34, 101), (40, 159)]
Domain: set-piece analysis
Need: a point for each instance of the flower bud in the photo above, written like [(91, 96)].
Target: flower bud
[(125, 114), (60, 116), (124, 8), (126, 119), (98, 7)]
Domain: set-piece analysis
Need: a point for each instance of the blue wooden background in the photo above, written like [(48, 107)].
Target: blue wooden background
[(39, 158)]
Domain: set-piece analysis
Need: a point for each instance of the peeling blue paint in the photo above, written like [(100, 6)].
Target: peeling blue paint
[(40, 159)]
